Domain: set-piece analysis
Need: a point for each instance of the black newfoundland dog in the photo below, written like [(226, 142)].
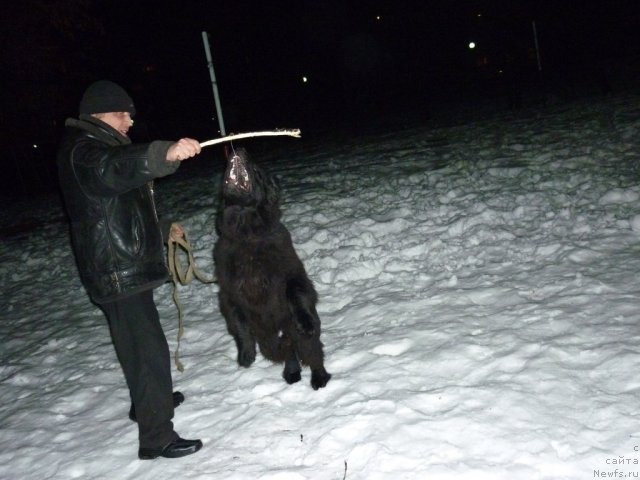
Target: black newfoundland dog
[(265, 294)]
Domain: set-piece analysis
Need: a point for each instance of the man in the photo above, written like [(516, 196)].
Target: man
[(118, 245)]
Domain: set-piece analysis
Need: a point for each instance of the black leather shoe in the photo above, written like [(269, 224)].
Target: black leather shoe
[(178, 448), (178, 398)]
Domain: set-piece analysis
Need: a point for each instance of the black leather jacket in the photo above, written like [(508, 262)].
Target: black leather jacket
[(106, 184)]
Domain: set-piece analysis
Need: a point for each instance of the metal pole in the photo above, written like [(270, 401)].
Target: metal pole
[(535, 40), (216, 95)]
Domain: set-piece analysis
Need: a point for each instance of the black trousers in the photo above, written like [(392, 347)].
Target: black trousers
[(143, 352)]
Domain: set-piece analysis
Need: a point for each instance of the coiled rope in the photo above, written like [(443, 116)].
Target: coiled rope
[(184, 276)]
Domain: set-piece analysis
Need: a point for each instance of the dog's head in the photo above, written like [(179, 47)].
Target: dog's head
[(250, 203), (246, 184)]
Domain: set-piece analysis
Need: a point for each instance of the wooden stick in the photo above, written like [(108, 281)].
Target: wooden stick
[(290, 133)]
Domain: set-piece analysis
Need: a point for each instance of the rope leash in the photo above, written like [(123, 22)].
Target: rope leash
[(185, 277)]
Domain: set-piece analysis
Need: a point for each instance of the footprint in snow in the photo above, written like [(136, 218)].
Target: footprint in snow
[(393, 349)]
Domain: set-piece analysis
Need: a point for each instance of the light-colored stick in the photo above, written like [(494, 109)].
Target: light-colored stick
[(290, 133)]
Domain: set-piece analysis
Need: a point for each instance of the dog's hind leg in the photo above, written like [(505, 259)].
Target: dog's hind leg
[(310, 353), (319, 378), (302, 298), (246, 346), (238, 327), (291, 372), (284, 352)]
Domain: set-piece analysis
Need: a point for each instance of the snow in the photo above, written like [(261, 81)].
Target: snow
[(479, 300)]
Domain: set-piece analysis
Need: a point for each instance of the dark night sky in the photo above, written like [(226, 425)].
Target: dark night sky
[(359, 68)]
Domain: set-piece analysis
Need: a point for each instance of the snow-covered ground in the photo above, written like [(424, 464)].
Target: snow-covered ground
[(480, 306)]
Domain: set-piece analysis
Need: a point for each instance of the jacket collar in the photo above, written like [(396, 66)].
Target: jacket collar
[(98, 129)]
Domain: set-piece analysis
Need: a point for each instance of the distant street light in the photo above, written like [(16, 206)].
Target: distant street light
[(472, 45)]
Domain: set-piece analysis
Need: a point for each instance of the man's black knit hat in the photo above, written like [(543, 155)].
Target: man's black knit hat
[(105, 96)]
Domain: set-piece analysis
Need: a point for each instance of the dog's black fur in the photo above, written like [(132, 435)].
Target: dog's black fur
[(265, 294)]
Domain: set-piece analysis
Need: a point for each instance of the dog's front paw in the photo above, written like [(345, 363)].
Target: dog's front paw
[(291, 372), (292, 377), (319, 379), (246, 358)]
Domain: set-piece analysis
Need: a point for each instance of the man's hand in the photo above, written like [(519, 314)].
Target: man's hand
[(183, 149)]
